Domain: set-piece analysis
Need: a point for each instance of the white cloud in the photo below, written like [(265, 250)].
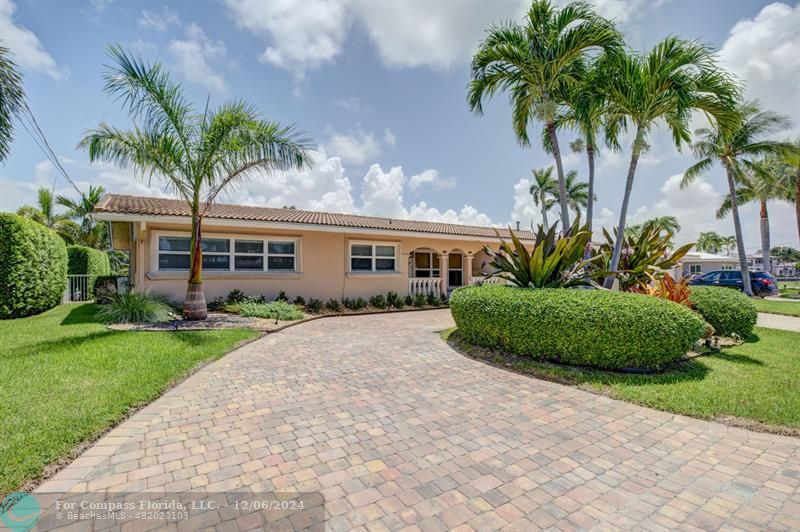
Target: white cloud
[(389, 137), (194, 55), (765, 52), (524, 211), (432, 178), (158, 21), (300, 35), (352, 104), (357, 147), (26, 47)]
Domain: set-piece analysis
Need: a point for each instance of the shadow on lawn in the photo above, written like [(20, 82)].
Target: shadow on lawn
[(81, 315), (60, 344)]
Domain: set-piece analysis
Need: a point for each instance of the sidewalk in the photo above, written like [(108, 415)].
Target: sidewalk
[(777, 321)]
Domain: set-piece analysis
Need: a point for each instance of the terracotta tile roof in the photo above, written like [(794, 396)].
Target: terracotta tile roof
[(149, 206)]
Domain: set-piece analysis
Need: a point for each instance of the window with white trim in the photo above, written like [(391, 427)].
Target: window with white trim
[(229, 254), (695, 268), (367, 257)]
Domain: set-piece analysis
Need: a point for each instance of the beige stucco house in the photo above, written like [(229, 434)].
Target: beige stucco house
[(303, 253)]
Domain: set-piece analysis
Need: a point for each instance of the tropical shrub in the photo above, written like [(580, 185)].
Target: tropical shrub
[(282, 297), (553, 262), (432, 299), (299, 300), (420, 300), (277, 310), (105, 288), (645, 256), (33, 267), (665, 287), (314, 305), (392, 298), (378, 301), (729, 311), (400, 303), (408, 300), (215, 305), (333, 305), (599, 328), (235, 296), (135, 307)]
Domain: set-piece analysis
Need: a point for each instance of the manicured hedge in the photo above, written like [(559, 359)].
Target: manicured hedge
[(33, 267), (727, 310), (599, 328), (88, 261)]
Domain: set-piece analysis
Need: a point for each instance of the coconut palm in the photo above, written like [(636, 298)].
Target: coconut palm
[(728, 242), (543, 188), (577, 193), (729, 145), (197, 154), (12, 100), (758, 183), (44, 213), (81, 211), (664, 224), (537, 62), (665, 86), (709, 242)]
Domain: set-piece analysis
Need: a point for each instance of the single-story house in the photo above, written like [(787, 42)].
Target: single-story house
[(261, 250), (698, 262)]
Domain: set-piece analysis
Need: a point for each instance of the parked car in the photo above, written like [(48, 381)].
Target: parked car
[(763, 283)]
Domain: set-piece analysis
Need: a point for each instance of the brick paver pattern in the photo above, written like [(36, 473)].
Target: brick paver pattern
[(399, 431)]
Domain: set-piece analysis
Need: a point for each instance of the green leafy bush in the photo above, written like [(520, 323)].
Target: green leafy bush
[(105, 288), (420, 300), (333, 305), (33, 267), (400, 303), (408, 301), (300, 300), (282, 296), (378, 301), (392, 298), (728, 311), (135, 307), (314, 305), (599, 328), (82, 260), (277, 310), (236, 296)]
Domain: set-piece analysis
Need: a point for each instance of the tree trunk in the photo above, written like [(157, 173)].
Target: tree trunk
[(194, 306), (623, 213), (765, 238), (737, 227), (797, 203), (590, 204), (544, 210), (562, 184)]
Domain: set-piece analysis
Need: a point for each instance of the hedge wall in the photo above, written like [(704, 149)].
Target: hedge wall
[(88, 261), (600, 328), (727, 310), (33, 267)]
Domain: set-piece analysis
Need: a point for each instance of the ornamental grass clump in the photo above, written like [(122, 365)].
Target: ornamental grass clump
[(277, 310), (135, 307)]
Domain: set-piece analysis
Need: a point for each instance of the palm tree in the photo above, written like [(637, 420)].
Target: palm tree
[(758, 183), (577, 193), (537, 63), (728, 242), (198, 155), (666, 224), (709, 241), (44, 213), (82, 211), (12, 100), (674, 79), (542, 188), (729, 144)]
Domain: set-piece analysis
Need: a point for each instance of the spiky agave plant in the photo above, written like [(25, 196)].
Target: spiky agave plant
[(554, 262)]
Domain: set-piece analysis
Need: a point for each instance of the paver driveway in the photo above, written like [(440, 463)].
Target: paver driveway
[(399, 430)]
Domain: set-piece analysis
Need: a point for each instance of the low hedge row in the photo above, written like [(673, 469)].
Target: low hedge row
[(728, 311), (33, 267), (84, 260), (600, 328)]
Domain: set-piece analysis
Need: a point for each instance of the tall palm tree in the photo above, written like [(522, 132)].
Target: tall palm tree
[(537, 63), (666, 224), (666, 85), (758, 183), (729, 144), (12, 100), (577, 193), (709, 241), (198, 155), (44, 213), (543, 188), (82, 211), (728, 242)]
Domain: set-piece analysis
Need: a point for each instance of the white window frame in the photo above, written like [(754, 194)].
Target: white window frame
[(232, 238), (373, 257), (695, 268)]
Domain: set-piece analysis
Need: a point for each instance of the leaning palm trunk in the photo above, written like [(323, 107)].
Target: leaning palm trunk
[(590, 203), (562, 184), (737, 226), (797, 202), (623, 214), (764, 218)]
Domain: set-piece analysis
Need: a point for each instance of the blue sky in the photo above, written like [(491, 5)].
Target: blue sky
[(380, 87)]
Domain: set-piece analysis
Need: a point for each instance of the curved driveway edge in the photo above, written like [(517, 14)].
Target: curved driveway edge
[(398, 430)]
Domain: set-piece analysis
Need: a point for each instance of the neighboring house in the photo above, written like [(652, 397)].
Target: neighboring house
[(778, 268), (303, 253), (698, 262)]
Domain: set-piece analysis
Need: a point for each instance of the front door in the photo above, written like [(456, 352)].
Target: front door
[(455, 272)]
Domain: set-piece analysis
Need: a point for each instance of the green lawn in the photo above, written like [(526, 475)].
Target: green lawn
[(789, 308), (65, 378), (753, 381)]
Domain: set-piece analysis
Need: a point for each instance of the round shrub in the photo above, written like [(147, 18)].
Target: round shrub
[(33, 267), (612, 330), (84, 260), (727, 310)]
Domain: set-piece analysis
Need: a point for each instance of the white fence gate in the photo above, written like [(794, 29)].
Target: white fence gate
[(77, 289)]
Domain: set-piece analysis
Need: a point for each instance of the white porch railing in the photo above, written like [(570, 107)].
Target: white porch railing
[(77, 289), (424, 285)]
